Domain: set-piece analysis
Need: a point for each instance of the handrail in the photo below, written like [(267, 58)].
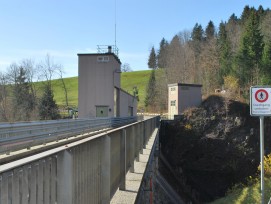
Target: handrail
[(16, 136)]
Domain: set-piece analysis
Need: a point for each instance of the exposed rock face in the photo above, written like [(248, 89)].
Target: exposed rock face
[(213, 147)]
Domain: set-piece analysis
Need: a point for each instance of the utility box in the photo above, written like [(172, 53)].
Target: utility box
[(183, 96)]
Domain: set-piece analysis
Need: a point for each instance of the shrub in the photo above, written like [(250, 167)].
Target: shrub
[(267, 165), (188, 127)]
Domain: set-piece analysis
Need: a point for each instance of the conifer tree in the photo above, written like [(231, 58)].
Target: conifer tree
[(246, 14), (250, 53), (48, 109), (23, 100), (197, 33), (197, 39), (266, 64), (162, 54), (152, 63), (151, 90), (225, 56), (210, 30)]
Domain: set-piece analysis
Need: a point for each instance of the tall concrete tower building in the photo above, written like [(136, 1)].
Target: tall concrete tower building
[(99, 92)]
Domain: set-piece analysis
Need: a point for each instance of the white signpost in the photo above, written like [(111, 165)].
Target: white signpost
[(260, 105)]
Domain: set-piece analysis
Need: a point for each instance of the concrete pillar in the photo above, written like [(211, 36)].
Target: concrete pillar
[(142, 136), (65, 177), (106, 169), (132, 149), (123, 160), (138, 140)]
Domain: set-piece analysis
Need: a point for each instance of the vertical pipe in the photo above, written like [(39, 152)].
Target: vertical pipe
[(262, 156)]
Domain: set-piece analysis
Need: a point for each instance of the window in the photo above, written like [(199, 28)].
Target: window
[(106, 59), (173, 103), (172, 90), (103, 59)]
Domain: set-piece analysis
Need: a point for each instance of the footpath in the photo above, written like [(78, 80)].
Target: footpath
[(133, 180)]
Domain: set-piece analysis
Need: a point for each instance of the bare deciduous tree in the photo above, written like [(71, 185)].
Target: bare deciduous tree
[(4, 108), (48, 108), (64, 87), (126, 67), (47, 70), (22, 91), (209, 60)]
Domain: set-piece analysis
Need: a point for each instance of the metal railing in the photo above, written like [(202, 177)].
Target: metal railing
[(108, 49), (16, 136), (87, 171)]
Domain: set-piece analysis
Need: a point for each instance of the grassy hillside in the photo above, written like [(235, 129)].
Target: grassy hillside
[(128, 81), (139, 79), (72, 89), (246, 194)]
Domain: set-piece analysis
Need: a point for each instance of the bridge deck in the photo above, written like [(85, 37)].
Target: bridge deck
[(133, 180)]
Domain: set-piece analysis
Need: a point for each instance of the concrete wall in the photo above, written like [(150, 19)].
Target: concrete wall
[(189, 96), (83, 172), (127, 101), (96, 83), (184, 95)]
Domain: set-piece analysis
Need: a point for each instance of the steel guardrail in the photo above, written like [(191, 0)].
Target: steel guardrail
[(16, 136)]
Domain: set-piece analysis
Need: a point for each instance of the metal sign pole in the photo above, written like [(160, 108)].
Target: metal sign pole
[(262, 156), (260, 105)]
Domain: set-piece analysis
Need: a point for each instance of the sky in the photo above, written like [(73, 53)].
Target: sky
[(32, 29)]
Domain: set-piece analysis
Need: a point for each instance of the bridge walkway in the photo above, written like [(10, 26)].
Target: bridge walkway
[(133, 179)]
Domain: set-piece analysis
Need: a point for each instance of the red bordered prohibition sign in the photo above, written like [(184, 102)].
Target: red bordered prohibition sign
[(263, 99)]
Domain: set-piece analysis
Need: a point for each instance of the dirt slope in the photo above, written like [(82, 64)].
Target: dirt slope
[(213, 147)]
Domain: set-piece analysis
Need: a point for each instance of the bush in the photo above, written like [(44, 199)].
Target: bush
[(267, 166)]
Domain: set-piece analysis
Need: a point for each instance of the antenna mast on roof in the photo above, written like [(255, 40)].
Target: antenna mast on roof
[(115, 23)]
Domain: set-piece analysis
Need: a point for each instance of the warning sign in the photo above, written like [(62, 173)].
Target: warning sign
[(261, 95), (260, 101)]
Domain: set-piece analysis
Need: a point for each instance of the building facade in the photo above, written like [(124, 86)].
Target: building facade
[(183, 96), (99, 92)]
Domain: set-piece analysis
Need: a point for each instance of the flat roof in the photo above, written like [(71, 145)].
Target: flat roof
[(100, 54), (181, 84)]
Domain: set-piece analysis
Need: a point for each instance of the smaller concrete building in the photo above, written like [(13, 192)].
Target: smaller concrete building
[(183, 96)]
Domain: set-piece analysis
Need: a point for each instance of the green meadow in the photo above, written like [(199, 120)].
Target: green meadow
[(128, 81)]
